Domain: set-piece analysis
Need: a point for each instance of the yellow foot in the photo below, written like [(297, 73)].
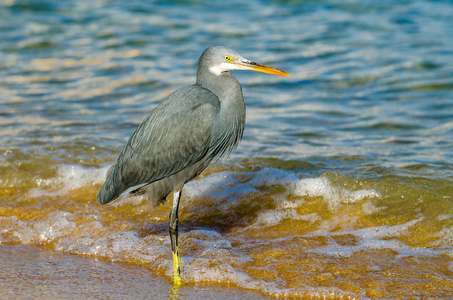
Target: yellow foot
[(176, 268)]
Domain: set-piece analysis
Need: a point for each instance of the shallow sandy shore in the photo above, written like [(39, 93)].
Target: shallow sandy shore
[(28, 272)]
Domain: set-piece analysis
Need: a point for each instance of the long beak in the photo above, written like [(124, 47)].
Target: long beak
[(250, 65)]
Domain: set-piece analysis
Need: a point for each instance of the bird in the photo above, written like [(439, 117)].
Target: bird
[(192, 127)]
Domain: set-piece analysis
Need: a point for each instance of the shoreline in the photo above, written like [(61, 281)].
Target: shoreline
[(32, 272)]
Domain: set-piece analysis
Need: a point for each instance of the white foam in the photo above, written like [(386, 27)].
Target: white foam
[(227, 190), (368, 208), (207, 239), (218, 187), (225, 184), (308, 292), (445, 238), (202, 270), (67, 179), (275, 217), (371, 238), (128, 199), (269, 177), (53, 227), (443, 217), (76, 176), (334, 195)]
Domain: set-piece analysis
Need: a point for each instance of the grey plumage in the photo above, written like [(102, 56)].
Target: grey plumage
[(179, 139), (183, 135)]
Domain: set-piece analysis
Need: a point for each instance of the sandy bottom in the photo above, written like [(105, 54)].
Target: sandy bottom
[(28, 272)]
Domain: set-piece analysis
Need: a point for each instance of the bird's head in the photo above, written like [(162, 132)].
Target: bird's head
[(219, 59)]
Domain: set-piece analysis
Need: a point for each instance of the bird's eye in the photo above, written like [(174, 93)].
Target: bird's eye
[(228, 58)]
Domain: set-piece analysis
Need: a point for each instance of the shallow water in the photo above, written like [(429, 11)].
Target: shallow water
[(341, 187)]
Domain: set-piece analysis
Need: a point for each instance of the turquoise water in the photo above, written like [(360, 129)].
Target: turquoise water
[(348, 161)]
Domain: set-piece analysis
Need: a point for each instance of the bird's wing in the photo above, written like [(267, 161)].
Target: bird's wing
[(173, 137)]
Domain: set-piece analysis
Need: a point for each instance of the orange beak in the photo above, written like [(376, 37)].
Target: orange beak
[(250, 65)]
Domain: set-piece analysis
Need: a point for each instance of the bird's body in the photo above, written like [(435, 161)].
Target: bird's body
[(178, 140), (183, 135)]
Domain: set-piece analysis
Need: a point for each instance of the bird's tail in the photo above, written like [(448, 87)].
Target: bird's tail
[(104, 195), (108, 191)]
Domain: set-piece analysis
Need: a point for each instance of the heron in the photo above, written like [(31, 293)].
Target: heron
[(189, 129)]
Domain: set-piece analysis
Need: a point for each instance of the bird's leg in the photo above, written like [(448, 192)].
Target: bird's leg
[(173, 226)]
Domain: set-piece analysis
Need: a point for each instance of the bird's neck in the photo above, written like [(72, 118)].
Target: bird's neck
[(232, 107), (225, 86)]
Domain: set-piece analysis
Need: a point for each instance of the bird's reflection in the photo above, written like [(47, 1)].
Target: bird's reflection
[(174, 292)]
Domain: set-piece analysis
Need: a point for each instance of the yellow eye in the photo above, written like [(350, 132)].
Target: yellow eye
[(228, 58)]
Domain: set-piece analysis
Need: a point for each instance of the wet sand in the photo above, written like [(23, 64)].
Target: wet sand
[(28, 272)]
